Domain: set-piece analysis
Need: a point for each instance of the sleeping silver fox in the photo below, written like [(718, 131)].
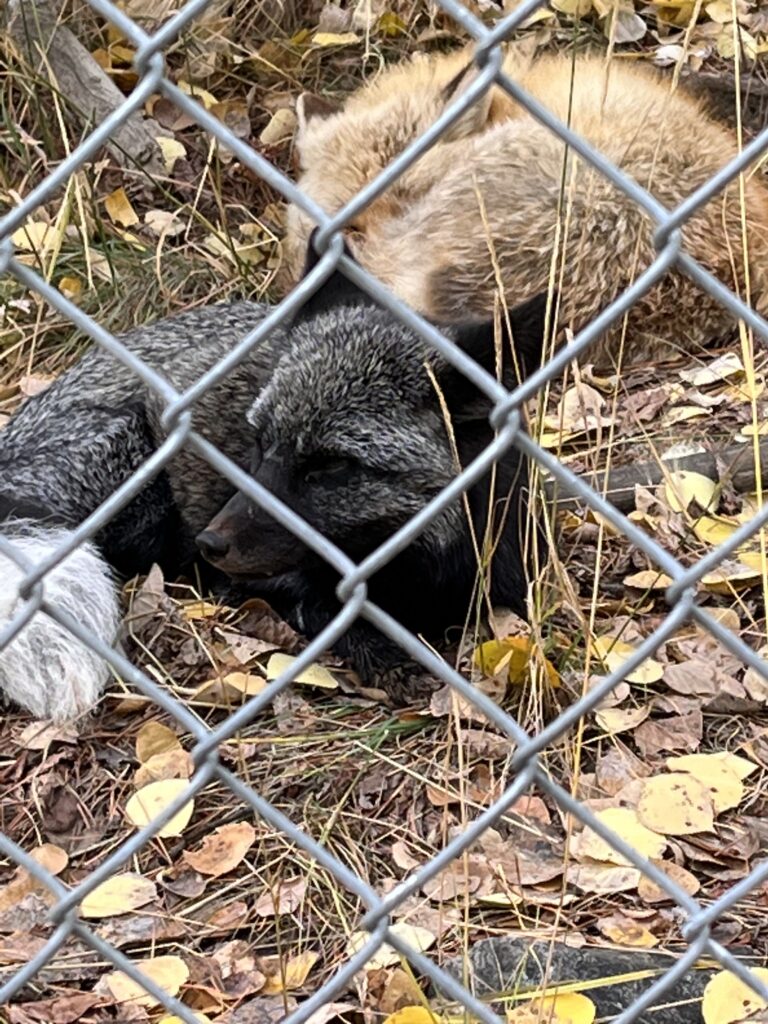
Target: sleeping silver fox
[(338, 415)]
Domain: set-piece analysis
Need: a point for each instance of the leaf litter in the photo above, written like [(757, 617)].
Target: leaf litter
[(350, 771)]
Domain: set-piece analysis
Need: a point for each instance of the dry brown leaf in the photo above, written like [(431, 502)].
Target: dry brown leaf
[(288, 898), (675, 805), (649, 892), (625, 932), (615, 720), (171, 764), (154, 738), (595, 877), (118, 895), (223, 849)]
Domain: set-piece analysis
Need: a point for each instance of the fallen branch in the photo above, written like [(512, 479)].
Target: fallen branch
[(57, 54), (734, 465)]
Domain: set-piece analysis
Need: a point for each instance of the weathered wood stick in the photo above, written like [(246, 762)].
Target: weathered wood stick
[(734, 465), (57, 53)]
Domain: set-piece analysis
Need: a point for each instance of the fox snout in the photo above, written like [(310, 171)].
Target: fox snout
[(241, 540)]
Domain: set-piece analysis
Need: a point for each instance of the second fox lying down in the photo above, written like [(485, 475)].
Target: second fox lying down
[(338, 416), (499, 190)]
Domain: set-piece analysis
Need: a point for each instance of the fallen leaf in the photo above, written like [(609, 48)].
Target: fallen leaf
[(223, 849), (413, 1015), (649, 892), (596, 877), (280, 127), (675, 805), (625, 823), (648, 579), (172, 151), (715, 530), (727, 999), (515, 655), (626, 932), (614, 653), (335, 39), (230, 689), (725, 788), (40, 735), (119, 209), (175, 763), (290, 975), (70, 287), (313, 675), (719, 369), (683, 487), (615, 720), (419, 939), (562, 1008), (731, 577), (150, 801), (118, 895), (285, 899), (169, 972), (154, 738)]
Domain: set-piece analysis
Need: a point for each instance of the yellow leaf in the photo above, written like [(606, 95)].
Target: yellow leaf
[(170, 764), (626, 824), (727, 999), (684, 412), (563, 1008), (172, 151), (118, 895), (740, 766), (207, 99), (154, 738), (281, 127), (513, 654), (313, 675), (51, 857), (720, 11), (151, 800), (675, 805), (223, 849), (648, 579), (70, 287), (419, 939), (169, 972), (201, 610), (684, 487), (390, 24), (731, 577), (573, 8), (334, 38), (615, 720), (230, 689), (412, 1015), (614, 653), (35, 236), (726, 790), (201, 1017), (714, 530), (292, 974), (119, 209)]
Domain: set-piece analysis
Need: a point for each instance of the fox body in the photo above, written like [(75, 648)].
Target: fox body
[(501, 191), (337, 416)]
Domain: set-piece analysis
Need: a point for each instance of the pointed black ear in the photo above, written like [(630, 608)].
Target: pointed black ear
[(310, 106), (521, 354), (336, 291)]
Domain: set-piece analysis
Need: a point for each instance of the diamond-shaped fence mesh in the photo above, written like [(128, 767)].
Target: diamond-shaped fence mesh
[(506, 418)]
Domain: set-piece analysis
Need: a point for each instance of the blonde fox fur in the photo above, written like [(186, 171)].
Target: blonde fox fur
[(499, 191)]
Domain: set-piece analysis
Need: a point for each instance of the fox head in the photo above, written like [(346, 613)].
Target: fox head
[(341, 148), (350, 432)]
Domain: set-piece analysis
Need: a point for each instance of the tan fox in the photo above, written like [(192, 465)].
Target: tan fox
[(499, 200)]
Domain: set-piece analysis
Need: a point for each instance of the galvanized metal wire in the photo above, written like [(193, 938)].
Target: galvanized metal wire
[(352, 590)]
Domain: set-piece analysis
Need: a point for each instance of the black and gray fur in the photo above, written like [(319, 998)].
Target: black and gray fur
[(337, 415)]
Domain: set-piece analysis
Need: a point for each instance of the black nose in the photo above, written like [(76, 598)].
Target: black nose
[(212, 545)]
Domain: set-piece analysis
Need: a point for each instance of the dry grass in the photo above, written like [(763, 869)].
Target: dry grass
[(360, 777)]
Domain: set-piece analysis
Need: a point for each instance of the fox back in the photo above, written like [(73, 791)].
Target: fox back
[(501, 189)]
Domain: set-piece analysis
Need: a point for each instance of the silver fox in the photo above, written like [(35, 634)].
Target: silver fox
[(337, 415)]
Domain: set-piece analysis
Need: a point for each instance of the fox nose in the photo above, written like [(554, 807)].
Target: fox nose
[(212, 545)]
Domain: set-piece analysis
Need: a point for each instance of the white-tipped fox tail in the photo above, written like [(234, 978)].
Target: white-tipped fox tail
[(44, 668)]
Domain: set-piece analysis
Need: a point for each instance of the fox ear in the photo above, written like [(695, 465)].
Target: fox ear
[(310, 106), (475, 119), (521, 353), (337, 290)]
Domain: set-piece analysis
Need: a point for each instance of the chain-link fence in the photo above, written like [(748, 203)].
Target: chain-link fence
[(506, 419)]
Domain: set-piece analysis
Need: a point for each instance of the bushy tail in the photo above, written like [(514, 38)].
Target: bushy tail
[(45, 669)]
